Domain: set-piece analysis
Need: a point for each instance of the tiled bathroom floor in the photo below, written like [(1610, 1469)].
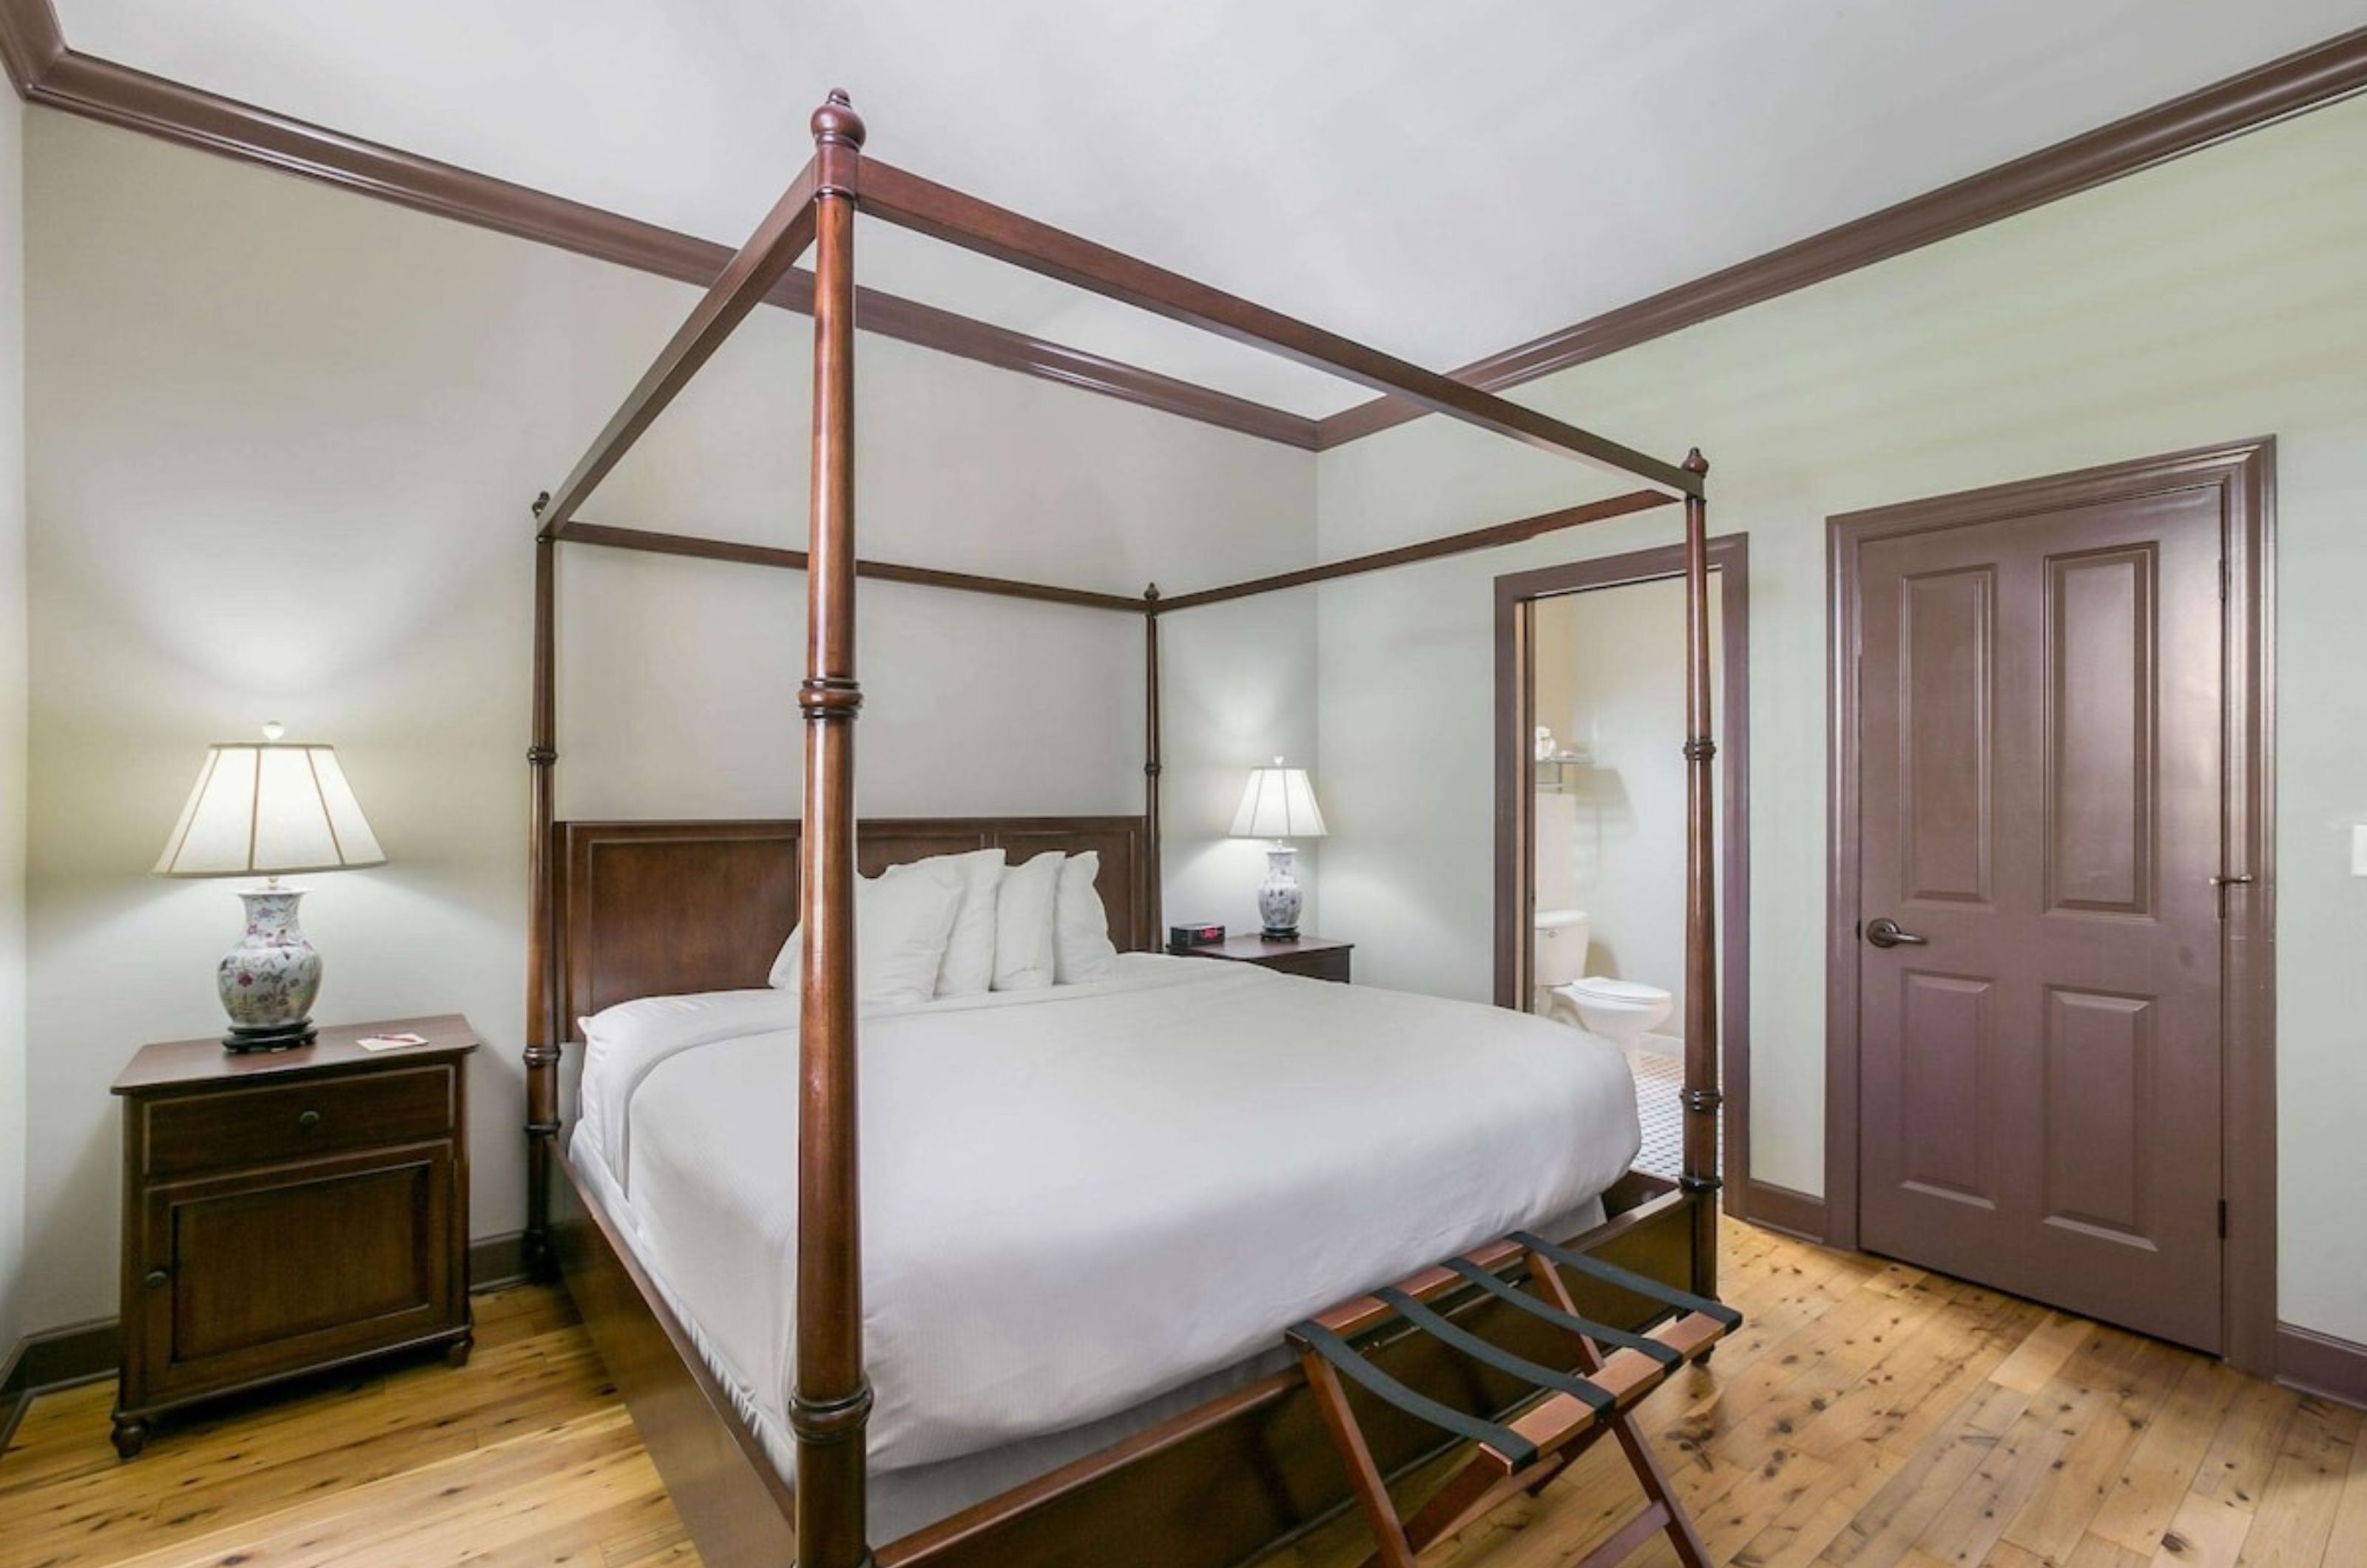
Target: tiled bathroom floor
[(1659, 1079)]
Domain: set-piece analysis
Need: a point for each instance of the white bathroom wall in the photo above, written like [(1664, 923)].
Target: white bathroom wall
[(1616, 683)]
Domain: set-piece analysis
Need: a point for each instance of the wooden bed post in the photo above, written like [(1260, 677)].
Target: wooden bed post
[(830, 1406), (1152, 893), (541, 989), (1700, 1179)]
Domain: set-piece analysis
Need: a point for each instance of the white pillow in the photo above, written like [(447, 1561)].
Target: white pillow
[(1023, 924), (1081, 949), (902, 917), (969, 966)]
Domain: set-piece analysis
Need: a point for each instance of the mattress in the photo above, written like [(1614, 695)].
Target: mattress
[(1085, 1206)]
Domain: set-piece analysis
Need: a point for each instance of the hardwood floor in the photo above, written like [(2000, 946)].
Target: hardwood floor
[(522, 1457), (1869, 1416)]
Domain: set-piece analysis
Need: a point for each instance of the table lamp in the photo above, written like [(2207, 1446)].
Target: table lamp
[(1279, 804), (273, 809)]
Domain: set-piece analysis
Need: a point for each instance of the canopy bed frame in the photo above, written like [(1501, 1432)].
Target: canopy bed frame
[(619, 910)]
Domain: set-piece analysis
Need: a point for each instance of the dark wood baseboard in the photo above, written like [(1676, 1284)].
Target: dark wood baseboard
[(1782, 1208), (2321, 1364), (495, 1261), (58, 1358)]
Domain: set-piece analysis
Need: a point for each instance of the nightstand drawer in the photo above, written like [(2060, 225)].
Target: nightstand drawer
[(298, 1121)]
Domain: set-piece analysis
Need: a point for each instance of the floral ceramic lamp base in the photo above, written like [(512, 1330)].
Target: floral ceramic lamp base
[(1278, 898), (267, 982)]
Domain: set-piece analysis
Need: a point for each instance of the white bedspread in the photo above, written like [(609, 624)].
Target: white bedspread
[(1077, 1198)]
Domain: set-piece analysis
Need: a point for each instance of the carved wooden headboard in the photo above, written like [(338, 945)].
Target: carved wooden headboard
[(661, 909)]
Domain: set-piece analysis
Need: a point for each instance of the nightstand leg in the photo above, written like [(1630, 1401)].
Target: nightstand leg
[(455, 1354), (131, 1435)]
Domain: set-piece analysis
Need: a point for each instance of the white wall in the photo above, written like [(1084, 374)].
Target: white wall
[(283, 442), (1610, 680), (2216, 298), (969, 469), (13, 694)]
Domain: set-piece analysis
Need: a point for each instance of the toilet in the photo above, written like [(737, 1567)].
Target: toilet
[(1622, 1012)]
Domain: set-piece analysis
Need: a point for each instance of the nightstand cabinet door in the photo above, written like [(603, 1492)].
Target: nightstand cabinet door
[(245, 1275)]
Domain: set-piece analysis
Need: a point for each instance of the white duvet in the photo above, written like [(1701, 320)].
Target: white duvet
[(1077, 1198)]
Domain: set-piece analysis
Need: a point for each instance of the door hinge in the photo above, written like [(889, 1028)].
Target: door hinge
[(2222, 1219)]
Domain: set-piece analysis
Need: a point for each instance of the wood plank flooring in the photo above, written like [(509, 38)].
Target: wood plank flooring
[(1869, 1416)]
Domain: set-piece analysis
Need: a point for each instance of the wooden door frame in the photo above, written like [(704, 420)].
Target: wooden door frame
[(2244, 474), (1516, 594)]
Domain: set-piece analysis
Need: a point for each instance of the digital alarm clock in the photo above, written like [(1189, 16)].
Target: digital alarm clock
[(1199, 934)]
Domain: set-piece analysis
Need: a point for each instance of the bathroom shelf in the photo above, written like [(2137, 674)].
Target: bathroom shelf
[(1553, 774)]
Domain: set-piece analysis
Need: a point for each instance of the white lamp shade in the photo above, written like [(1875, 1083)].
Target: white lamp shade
[(269, 810), (1278, 804)]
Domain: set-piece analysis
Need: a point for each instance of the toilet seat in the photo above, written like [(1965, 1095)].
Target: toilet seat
[(1615, 992), (1622, 1012)]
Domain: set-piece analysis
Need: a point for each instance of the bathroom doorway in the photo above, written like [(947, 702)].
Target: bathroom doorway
[(1590, 820)]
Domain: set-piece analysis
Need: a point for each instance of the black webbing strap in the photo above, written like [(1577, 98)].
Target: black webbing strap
[(1505, 1291), (1518, 1452), (1651, 1290), (1537, 1375)]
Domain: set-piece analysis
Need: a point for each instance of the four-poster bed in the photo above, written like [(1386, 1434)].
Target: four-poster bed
[(619, 911)]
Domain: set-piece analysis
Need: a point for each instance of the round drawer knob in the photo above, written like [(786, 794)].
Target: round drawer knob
[(308, 1119), (158, 1278)]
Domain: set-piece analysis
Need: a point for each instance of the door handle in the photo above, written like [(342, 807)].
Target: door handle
[(1887, 932)]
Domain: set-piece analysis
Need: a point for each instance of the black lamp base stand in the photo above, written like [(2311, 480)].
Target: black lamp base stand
[(269, 1037)]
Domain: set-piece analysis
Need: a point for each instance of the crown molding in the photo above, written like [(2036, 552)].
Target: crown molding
[(2310, 79), (30, 41), (46, 71)]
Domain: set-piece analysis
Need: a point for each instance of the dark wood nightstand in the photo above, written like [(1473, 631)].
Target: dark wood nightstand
[(289, 1212), (1318, 958)]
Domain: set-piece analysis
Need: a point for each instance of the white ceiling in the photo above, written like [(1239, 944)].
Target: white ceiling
[(1439, 179)]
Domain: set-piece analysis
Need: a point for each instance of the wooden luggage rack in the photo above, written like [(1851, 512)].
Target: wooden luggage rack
[(1543, 1436)]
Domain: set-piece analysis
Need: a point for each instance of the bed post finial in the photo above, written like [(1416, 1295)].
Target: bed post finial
[(836, 120), (1695, 463)]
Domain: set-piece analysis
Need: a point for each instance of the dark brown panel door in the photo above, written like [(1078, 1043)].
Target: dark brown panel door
[(2040, 805)]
